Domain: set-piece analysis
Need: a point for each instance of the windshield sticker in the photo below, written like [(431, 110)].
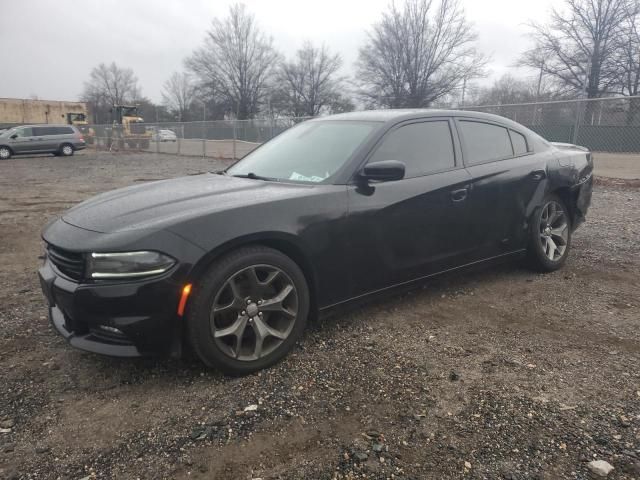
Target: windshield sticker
[(304, 178)]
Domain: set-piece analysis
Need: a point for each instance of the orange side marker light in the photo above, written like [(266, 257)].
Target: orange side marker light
[(183, 299)]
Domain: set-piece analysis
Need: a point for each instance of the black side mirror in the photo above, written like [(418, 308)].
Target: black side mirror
[(383, 171), (14, 136)]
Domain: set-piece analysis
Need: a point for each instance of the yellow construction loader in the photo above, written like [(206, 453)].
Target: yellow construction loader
[(128, 128), (80, 121)]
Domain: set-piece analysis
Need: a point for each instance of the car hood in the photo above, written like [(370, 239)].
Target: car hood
[(161, 204)]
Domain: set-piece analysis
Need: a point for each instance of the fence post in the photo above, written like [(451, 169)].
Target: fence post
[(180, 137), (204, 144), (235, 137), (576, 125), (157, 136)]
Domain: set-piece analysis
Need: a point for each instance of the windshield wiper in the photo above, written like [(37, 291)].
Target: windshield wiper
[(253, 176)]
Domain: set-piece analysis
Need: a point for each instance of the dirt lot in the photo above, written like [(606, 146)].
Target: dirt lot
[(500, 373)]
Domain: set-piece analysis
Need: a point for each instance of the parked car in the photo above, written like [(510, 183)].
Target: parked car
[(164, 136), (335, 209), (29, 139)]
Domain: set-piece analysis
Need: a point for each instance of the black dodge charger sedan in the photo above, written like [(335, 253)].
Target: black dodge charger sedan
[(338, 208)]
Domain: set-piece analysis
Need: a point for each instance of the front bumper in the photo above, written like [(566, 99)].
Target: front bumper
[(118, 319)]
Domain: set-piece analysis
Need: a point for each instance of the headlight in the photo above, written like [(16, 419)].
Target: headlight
[(128, 264)]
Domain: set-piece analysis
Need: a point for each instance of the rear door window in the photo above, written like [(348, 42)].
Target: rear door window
[(424, 147), (41, 131), (485, 142)]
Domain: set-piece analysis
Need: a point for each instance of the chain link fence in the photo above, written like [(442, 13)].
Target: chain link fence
[(220, 139), (600, 124)]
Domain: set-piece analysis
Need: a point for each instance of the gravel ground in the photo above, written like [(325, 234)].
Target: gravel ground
[(496, 373)]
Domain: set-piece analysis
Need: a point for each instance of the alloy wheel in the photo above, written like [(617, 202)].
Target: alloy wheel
[(4, 153), (67, 150), (554, 231), (254, 312)]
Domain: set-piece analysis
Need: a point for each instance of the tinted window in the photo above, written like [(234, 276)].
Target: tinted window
[(519, 143), (38, 131), (424, 147), (485, 142)]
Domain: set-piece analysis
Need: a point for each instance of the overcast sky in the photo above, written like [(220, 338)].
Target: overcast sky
[(51, 46)]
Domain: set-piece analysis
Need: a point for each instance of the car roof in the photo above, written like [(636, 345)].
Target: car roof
[(45, 125), (402, 114)]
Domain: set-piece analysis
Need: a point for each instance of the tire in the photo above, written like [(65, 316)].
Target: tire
[(5, 153), (224, 328), (549, 241), (66, 150)]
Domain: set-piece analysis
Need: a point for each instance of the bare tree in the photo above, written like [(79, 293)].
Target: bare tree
[(578, 46), (109, 85), (418, 54), (178, 93), (628, 59), (310, 84), (509, 90), (235, 61)]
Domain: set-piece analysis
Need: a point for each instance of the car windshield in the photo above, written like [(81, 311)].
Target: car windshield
[(310, 152)]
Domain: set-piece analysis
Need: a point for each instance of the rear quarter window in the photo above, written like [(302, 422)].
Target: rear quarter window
[(485, 142), (519, 143)]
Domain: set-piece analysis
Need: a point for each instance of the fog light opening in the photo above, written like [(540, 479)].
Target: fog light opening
[(109, 329), (183, 299)]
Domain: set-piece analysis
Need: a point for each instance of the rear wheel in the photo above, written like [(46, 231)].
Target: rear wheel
[(5, 153), (550, 238), (66, 150), (248, 311)]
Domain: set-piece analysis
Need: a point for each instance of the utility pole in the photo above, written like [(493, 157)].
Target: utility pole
[(539, 81), (464, 90), (585, 96), (538, 89), (204, 132)]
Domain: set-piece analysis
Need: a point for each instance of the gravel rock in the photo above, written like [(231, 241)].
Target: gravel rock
[(600, 467), (8, 423)]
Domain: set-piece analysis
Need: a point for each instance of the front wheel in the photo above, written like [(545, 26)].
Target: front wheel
[(550, 235), (248, 311), (5, 153)]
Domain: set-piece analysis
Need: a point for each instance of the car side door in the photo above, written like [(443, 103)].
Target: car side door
[(506, 176), (21, 140), (45, 138), (402, 230)]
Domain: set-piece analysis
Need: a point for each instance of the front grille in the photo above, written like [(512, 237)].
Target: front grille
[(69, 263), (137, 128)]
